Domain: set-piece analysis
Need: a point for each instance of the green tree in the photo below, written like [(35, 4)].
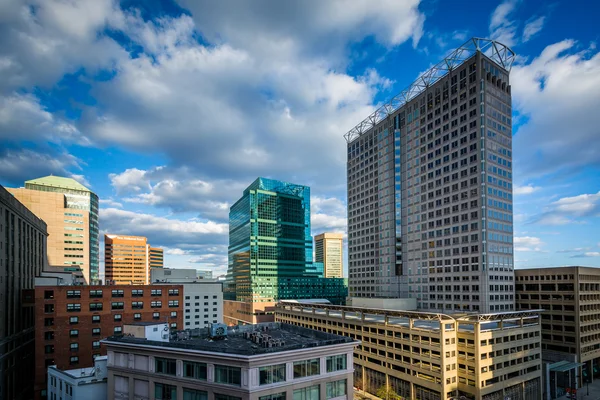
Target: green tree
[(387, 393)]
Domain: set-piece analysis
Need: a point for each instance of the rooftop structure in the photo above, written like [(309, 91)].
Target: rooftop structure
[(81, 383)]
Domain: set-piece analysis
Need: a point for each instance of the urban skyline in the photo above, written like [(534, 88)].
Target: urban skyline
[(180, 203)]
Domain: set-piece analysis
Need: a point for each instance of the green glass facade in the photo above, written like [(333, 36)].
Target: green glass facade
[(270, 247)]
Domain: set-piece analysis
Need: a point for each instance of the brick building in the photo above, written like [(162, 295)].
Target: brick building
[(70, 321)]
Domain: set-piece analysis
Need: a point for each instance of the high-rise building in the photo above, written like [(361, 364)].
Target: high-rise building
[(270, 248), (126, 260), (430, 188), (155, 257), (70, 211), (329, 251), (70, 321), (22, 258)]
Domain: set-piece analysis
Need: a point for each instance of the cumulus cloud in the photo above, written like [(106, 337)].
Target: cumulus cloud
[(328, 214), (527, 189), (527, 243)]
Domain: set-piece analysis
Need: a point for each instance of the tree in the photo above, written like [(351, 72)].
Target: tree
[(387, 393)]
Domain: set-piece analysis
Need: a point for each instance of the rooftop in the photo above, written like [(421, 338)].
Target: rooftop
[(59, 182), (290, 337), (88, 374)]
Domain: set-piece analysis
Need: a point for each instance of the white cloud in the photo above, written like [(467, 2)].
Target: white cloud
[(569, 210), (328, 214), (110, 203), (19, 165), (130, 180), (527, 189), (533, 27), (587, 254), (575, 250), (502, 27), (528, 243)]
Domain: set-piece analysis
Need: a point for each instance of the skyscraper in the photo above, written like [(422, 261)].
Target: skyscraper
[(71, 212), (329, 251), (430, 188), (155, 257), (126, 260)]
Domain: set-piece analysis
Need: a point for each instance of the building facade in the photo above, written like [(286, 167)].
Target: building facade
[(430, 188), (329, 250), (126, 260), (570, 298), (419, 355), (70, 211), (81, 383), (301, 365), (22, 257), (203, 304), (156, 257), (70, 321)]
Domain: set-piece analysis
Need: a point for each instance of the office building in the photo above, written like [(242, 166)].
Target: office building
[(173, 275), (70, 321), (329, 250), (270, 253), (570, 297), (155, 257), (22, 257), (258, 362), (70, 211), (430, 188), (80, 383), (126, 260), (433, 356), (203, 274)]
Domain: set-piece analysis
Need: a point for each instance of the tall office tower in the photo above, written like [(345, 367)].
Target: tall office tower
[(126, 260), (430, 188), (329, 251), (155, 257), (22, 258), (270, 248), (71, 212)]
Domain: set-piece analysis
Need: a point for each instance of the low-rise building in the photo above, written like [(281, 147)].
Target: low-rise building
[(80, 383), (259, 362), (433, 356), (70, 321)]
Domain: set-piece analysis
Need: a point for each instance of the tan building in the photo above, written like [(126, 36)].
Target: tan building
[(256, 362), (156, 257), (433, 356), (570, 297), (329, 251), (126, 260), (70, 211)]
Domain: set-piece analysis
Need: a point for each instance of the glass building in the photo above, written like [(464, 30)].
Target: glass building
[(270, 247)]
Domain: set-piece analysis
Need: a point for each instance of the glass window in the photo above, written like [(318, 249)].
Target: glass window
[(306, 368), (95, 306), (156, 315), (226, 397), (191, 394), (276, 396), (155, 304), (173, 303), (271, 374), (74, 333), (118, 317), (173, 292), (137, 316), (74, 320), (118, 329), (74, 346), (307, 393), (48, 294), (165, 392), (118, 293), (336, 389), (165, 366), (96, 294), (73, 294), (117, 305), (95, 331), (74, 360), (95, 318), (96, 344), (228, 375), (73, 307), (336, 363), (156, 292), (194, 370)]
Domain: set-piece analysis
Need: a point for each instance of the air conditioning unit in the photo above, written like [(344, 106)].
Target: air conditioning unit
[(218, 330)]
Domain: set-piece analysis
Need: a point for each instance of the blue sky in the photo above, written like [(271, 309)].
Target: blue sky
[(168, 110)]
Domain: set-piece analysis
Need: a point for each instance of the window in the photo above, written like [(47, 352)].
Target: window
[(306, 368), (173, 292), (49, 321), (48, 308), (194, 370), (271, 374), (74, 333), (226, 397), (155, 304), (137, 293), (74, 320), (95, 331), (95, 306), (156, 315), (173, 303), (336, 363), (96, 294), (49, 335), (165, 392), (307, 393), (118, 293), (118, 317), (117, 305), (74, 360), (49, 349), (73, 307), (191, 394), (137, 316), (137, 305), (228, 375), (156, 292), (73, 294), (96, 344), (165, 366), (336, 389), (276, 396), (173, 314), (74, 346), (118, 330), (95, 318), (49, 294)]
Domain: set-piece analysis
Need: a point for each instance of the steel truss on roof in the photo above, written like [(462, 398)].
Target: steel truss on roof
[(509, 315), (496, 51)]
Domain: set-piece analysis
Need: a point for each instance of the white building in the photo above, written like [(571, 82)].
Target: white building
[(80, 383), (203, 304)]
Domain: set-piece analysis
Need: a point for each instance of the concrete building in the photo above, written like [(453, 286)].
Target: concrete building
[(434, 356), (173, 275), (155, 257), (202, 274), (430, 188), (81, 383), (260, 362), (70, 211), (22, 257), (570, 297), (126, 260), (329, 250), (70, 321)]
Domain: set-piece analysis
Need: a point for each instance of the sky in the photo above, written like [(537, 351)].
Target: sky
[(169, 109)]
